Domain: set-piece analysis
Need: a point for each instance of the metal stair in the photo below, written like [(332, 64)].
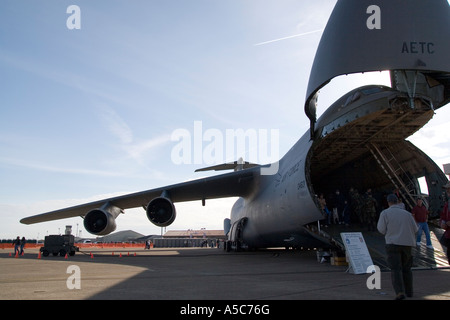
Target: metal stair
[(394, 171)]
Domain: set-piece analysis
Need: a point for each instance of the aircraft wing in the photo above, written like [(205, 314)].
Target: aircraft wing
[(234, 184)]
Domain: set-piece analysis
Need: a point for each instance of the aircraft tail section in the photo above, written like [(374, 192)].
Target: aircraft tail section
[(410, 38)]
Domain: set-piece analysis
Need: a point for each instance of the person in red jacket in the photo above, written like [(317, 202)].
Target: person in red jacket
[(445, 222), (420, 214)]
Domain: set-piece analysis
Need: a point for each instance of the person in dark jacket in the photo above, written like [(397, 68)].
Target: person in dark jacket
[(22, 245), (16, 244)]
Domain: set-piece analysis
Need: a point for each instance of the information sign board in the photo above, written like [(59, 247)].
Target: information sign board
[(357, 253)]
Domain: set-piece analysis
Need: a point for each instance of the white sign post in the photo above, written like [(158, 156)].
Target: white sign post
[(358, 255)]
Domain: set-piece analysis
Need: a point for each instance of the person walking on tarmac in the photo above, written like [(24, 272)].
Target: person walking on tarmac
[(23, 241), (16, 244), (399, 229)]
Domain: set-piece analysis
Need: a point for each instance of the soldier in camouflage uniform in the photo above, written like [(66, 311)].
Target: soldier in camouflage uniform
[(370, 211), (356, 205)]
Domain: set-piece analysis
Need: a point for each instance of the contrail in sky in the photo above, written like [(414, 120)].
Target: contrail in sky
[(294, 36)]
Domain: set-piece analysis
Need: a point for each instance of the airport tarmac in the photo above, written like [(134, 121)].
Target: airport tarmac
[(198, 274)]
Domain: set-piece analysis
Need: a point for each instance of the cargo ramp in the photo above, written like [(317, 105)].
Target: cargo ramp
[(423, 258)]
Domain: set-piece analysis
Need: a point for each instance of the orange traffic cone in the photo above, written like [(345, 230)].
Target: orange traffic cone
[(10, 254), (120, 255), (17, 254), (92, 256), (65, 257), (39, 255)]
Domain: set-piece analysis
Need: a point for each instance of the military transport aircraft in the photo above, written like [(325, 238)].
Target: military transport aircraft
[(358, 142)]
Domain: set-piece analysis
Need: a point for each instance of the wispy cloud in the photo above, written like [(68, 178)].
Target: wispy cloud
[(138, 149), (288, 37), (115, 124), (134, 148), (49, 168), (68, 78)]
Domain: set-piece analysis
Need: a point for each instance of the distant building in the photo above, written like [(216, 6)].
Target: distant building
[(191, 238), (172, 238), (195, 234), (121, 236)]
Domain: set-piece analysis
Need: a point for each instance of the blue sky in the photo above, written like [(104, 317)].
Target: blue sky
[(89, 113)]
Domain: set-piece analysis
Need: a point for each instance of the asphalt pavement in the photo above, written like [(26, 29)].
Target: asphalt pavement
[(195, 274)]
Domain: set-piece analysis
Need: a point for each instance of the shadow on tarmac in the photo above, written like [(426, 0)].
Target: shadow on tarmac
[(196, 274)]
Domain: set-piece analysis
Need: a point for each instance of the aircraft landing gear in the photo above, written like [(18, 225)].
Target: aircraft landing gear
[(235, 246)]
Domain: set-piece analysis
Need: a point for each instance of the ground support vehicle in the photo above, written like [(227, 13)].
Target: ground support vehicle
[(59, 244)]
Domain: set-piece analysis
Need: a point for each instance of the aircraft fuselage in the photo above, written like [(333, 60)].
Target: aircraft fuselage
[(282, 204)]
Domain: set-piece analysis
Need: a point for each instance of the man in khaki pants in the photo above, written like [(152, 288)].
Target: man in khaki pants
[(400, 230)]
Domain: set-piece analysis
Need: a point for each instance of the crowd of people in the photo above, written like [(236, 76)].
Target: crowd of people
[(402, 229), (364, 209), (356, 208)]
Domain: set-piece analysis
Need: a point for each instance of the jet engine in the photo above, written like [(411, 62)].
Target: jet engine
[(102, 221), (161, 211)]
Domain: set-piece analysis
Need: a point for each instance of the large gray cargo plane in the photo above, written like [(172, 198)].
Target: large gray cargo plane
[(358, 142)]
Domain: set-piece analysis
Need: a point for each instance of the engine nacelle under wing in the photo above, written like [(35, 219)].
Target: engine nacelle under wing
[(161, 211), (102, 221)]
